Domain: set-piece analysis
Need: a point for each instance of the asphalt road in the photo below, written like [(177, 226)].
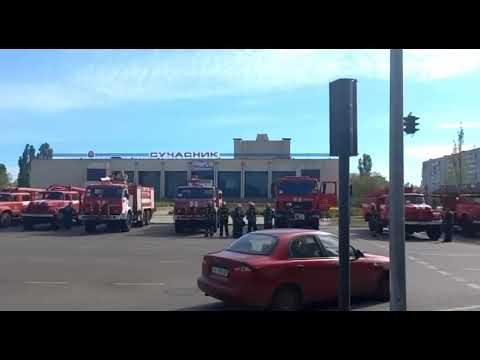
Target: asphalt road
[(152, 268)]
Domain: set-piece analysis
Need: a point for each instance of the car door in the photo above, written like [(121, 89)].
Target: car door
[(311, 269)]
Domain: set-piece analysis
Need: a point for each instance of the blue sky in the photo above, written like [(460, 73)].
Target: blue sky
[(152, 100)]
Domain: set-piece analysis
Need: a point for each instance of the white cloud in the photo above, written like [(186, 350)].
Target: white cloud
[(456, 125), (155, 75)]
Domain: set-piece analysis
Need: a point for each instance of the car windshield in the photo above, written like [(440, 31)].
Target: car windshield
[(195, 193), (105, 192), (52, 195), (414, 199), (6, 197), (255, 244), (296, 187), (330, 243)]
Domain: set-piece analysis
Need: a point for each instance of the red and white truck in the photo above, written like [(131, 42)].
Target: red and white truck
[(465, 206), (48, 208), (191, 203), (300, 201), (419, 217), (118, 204), (13, 200)]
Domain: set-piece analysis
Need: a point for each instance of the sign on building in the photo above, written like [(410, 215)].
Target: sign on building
[(185, 155)]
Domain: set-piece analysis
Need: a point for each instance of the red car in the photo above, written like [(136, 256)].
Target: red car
[(283, 269)]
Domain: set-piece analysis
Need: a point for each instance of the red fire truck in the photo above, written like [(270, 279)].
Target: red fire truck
[(118, 204), (300, 201), (13, 200), (48, 209), (419, 216), (191, 204), (465, 204)]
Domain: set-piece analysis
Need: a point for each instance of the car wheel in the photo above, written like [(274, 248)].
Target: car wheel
[(5, 220), (286, 299), (383, 291), (434, 234)]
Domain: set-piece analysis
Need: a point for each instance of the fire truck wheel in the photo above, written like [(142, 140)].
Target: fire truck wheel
[(178, 228), (126, 224), (434, 234), (27, 225), (90, 227), (5, 220)]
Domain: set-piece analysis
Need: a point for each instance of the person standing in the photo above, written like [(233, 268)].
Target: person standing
[(268, 216), (251, 217), (68, 216), (448, 225), (211, 220), (238, 223), (223, 214)]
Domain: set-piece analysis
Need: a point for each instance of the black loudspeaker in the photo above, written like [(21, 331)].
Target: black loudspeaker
[(343, 117)]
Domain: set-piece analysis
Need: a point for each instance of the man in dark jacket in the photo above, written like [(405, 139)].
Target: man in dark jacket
[(448, 226), (211, 220), (223, 214), (68, 216), (268, 216), (238, 223), (251, 214)]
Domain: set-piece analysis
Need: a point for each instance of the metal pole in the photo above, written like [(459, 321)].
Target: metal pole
[(398, 297), (344, 227)]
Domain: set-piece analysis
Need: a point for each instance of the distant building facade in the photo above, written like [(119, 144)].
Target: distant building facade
[(248, 173)]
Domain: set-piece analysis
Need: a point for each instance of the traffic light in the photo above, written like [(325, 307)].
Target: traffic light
[(410, 124)]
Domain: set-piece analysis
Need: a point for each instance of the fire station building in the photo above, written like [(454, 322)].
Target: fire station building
[(247, 173)]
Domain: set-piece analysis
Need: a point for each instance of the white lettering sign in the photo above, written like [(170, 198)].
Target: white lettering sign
[(185, 155)]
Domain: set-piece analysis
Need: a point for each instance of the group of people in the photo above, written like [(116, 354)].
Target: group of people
[(220, 219)]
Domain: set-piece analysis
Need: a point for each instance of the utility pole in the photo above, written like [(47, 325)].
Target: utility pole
[(398, 296)]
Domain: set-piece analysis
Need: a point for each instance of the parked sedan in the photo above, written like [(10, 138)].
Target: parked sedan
[(283, 269)]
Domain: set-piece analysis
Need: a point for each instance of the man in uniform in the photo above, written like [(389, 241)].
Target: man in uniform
[(68, 216), (251, 217), (211, 220), (448, 225), (238, 223), (268, 216), (223, 214)]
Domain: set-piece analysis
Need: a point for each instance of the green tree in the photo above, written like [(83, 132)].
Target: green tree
[(4, 176), (45, 152), (24, 165), (364, 184), (365, 165)]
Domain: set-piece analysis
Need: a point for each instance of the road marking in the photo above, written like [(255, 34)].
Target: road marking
[(444, 273), (474, 286), (432, 267), (412, 258), (138, 284), (170, 261), (450, 255), (462, 308), (459, 279), (422, 262), (472, 269), (45, 283)]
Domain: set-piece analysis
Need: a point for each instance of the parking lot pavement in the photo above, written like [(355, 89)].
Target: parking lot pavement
[(152, 268)]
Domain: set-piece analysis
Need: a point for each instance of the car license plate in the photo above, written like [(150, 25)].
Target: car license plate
[(219, 271), (299, 217)]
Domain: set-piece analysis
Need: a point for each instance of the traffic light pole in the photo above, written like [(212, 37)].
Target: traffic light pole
[(398, 298)]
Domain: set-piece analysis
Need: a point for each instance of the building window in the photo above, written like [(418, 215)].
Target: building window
[(256, 184), (96, 174), (172, 180), (151, 178), (130, 176), (230, 183), (203, 174), (279, 174), (311, 172)]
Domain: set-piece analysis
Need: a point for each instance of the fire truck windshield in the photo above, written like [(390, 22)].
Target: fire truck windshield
[(194, 193), (414, 199), (52, 195), (6, 197), (296, 187), (105, 192)]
